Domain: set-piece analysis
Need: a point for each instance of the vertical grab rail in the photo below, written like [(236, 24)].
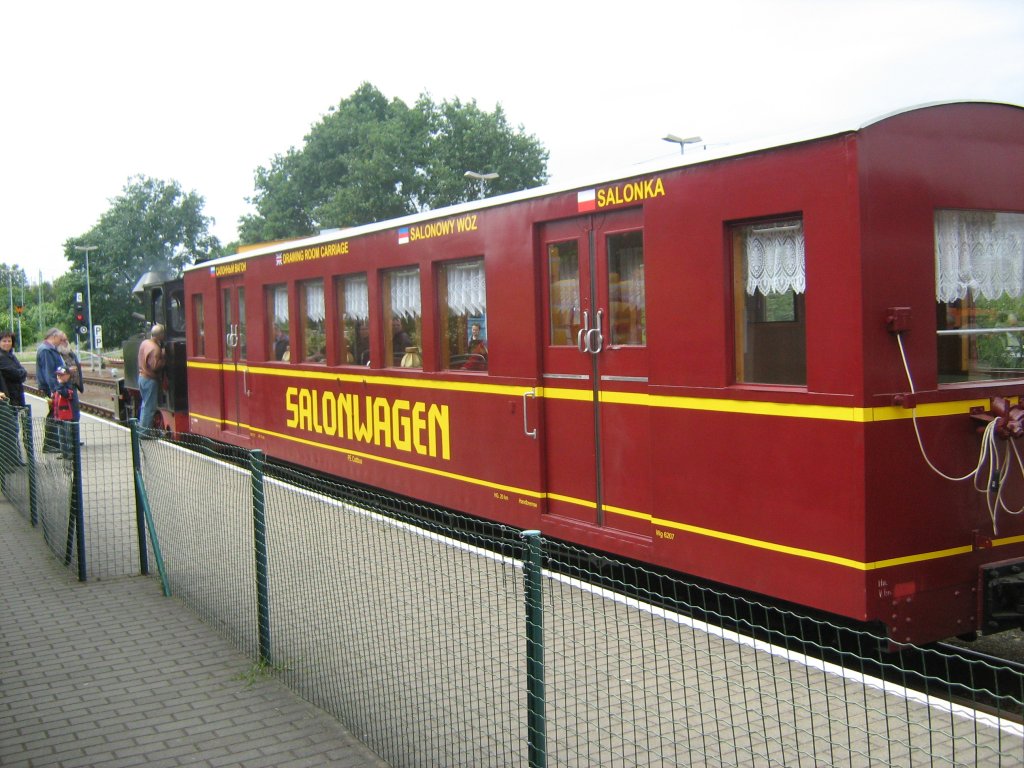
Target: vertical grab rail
[(526, 426)]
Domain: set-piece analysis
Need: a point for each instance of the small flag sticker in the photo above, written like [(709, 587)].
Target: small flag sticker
[(403, 236), (586, 200)]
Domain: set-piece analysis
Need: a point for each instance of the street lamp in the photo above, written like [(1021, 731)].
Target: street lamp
[(88, 303), (682, 142), (481, 177)]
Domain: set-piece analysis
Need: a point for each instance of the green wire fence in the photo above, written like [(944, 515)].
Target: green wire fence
[(440, 639)]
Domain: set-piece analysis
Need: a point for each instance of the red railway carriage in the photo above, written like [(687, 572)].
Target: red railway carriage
[(749, 365)]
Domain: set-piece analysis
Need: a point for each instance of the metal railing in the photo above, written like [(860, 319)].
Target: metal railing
[(443, 640)]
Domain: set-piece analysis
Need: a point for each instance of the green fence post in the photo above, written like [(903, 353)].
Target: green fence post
[(259, 529), (30, 459), (536, 726), (77, 498), (144, 515), (8, 414), (140, 515)]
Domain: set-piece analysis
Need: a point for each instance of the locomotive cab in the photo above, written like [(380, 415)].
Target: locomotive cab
[(162, 299)]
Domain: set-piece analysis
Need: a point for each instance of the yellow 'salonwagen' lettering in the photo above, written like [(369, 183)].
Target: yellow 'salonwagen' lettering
[(410, 427)]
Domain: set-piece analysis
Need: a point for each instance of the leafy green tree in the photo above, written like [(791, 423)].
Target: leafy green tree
[(153, 225), (13, 287), (370, 159), (465, 138)]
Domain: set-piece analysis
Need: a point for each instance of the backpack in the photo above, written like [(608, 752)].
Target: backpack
[(62, 409)]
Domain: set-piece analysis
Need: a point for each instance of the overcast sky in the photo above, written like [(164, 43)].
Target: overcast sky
[(205, 92)]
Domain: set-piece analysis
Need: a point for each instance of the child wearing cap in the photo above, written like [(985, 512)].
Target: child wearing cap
[(63, 409)]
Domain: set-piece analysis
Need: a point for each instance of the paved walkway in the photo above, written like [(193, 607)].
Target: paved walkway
[(111, 673)]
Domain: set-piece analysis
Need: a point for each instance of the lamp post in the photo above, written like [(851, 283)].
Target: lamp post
[(10, 295), (88, 303), (39, 314), (21, 309), (482, 178), (682, 142)]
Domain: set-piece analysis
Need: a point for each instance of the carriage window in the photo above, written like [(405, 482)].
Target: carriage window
[(462, 295), (769, 286), (628, 310), (979, 293), (156, 306), (279, 342), (176, 321), (564, 292), (402, 316), (199, 323), (311, 321), (352, 298)]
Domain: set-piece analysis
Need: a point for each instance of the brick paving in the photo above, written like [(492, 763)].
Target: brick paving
[(111, 673)]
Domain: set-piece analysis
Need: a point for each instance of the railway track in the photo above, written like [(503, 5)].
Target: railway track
[(1001, 680)]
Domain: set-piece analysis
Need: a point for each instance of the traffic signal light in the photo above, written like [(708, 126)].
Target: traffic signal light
[(79, 314)]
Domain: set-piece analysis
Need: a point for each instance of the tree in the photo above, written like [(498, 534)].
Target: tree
[(465, 138), (13, 284), (152, 225), (370, 159)]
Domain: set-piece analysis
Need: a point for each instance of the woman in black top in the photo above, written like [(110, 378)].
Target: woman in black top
[(12, 384), (12, 371)]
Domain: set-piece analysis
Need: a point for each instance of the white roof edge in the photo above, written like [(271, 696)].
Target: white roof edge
[(929, 104), (696, 157)]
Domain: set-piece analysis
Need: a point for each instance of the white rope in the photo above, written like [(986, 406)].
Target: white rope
[(988, 455), (917, 431)]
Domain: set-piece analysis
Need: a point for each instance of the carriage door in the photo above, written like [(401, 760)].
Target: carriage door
[(596, 428), (234, 378)]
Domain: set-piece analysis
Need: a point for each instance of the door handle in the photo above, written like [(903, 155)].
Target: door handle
[(531, 433), (580, 340), (595, 339)]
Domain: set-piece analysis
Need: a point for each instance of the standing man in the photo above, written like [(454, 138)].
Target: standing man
[(48, 360), (151, 365)]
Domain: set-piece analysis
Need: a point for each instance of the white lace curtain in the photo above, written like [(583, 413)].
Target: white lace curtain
[(405, 292), (775, 258), (357, 298), (629, 263), (980, 251), (315, 300), (467, 289), (281, 304)]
